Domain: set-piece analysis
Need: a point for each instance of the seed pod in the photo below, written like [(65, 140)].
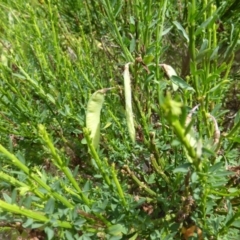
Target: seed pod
[(217, 132), (191, 134), (169, 72), (189, 116), (93, 115), (128, 102)]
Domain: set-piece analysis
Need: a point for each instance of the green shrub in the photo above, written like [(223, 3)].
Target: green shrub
[(87, 153)]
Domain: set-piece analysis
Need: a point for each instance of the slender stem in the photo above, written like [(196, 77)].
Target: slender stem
[(237, 193), (159, 31), (192, 40), (60, 164), (230, 221), (38, 216), (143, 119), (118, 185), (159, 170), (234, 129), (155, 151), (140, 184), (21, 185), (110, 11), (54, 32), (33, 176), (96, 157)]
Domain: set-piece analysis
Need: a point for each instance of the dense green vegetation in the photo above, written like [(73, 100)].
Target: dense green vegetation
[(119, 119)]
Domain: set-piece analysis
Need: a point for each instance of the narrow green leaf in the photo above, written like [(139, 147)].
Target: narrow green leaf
[(50, 98), (181, 83), (216, 167), (204, 53), (36, 225), (219, 86), (132, 45), (208, 23), (14, 195), (28, 223), (181, 29), (214, 54), (184, 168), (166, 31)]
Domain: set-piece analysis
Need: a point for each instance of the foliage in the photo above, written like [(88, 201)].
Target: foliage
[(162, 160)]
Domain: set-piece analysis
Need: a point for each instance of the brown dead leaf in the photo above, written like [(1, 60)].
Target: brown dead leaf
[(189, 232)]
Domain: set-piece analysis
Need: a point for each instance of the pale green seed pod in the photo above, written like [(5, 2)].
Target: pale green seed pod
[(93, 115), (94, 107), (128, 102), (169, 72)]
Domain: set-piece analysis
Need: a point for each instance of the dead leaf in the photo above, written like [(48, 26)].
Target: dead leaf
[(189, 232)]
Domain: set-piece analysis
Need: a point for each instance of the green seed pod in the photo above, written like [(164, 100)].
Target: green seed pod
[(128, 102), (93, 115)]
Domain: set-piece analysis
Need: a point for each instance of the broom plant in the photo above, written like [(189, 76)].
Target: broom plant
[(118, 119)]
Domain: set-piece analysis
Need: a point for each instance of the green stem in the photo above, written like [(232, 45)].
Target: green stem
[(234, 129), (60, 164), (159, 170), (54, 33), (237, 193), (32, 176), (159, 31), (38, 216), (192, 40), (12, 180), (230, 221), (143, 119), (110, 11), (139, 183), (155, 151), (147, 20), (180, 132), (95, 156), (118, 185), (19, 184)]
